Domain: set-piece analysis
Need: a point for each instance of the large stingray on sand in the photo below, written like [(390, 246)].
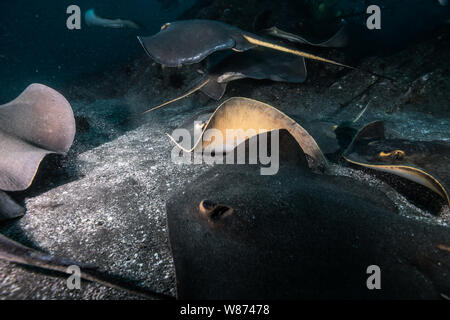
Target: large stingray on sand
[(293, 235), (38, 122), (423, 162), (299, 235)]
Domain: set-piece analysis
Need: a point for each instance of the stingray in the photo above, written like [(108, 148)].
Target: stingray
[(249, 117), (333, 137), (9, 209), (191, 41), (92, 19), (293, 235), (299, 235), (38, 122), (423, 162)]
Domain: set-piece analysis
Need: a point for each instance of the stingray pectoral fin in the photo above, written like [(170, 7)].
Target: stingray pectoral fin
[(19, 163), (338, 40), (239, 119), (289, 151), (38, 122), (191, 41), (374, 130), (214, 89), (410, 173), (40, 116), (9, 209)]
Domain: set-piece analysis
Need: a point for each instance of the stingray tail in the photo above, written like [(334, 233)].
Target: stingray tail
[(274, 46), (197, 87), (362, 112), (201, 84), (15, 252)]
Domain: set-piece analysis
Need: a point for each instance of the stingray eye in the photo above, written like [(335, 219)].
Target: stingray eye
[(206, 206), (393, 155), (164, 26)]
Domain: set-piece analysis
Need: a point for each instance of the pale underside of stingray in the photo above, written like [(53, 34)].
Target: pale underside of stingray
[(246, 118), (38, 122)]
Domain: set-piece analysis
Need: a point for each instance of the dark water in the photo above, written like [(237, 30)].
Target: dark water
[(36, 45)]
